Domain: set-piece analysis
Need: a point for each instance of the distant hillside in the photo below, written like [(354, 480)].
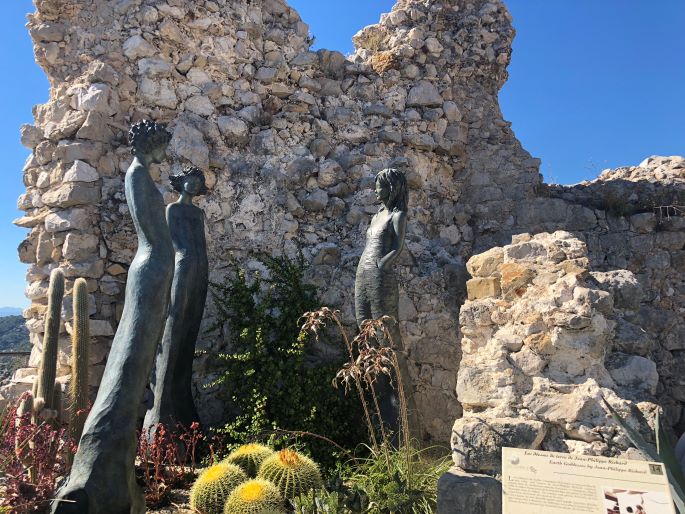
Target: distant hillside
[(10, 311), (14, 337)]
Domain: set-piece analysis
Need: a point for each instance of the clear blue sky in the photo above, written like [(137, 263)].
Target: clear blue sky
[(593, 84)]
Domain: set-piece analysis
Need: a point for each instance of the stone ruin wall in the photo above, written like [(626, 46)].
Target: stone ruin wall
[(544, 339), (289, 141)]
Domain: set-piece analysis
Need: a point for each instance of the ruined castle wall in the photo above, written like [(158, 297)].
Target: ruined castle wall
[(289, 141), (632, 218)]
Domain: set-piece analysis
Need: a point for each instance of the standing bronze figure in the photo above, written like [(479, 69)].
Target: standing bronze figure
[(102, 479), (172, 379), (376, 291)]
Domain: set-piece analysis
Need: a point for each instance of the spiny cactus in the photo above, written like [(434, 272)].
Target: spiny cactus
[(250, 457), (257, 496), (80, 340), (213, 486), (292, 472), (48, 365)]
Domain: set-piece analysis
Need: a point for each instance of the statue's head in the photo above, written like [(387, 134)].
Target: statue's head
[(191, 180), (150, 139), (391, 189)]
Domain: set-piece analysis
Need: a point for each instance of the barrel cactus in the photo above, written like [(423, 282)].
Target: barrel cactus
[(213, 486), (292, 472), (256, 496), (250, 457)]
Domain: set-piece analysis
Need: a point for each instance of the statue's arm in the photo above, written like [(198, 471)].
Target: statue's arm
[(145, 203), (399, 223)]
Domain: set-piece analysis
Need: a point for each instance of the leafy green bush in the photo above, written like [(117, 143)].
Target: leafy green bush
[(401, 480), (270, 375), (387, 481)]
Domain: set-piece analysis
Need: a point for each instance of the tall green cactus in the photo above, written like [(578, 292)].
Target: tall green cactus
[(80, 339), (48, 365)]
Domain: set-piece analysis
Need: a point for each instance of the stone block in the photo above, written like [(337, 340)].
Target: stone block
[(187, 142), (424, 94), (71, 194), (633, 372), (515, 278), (460, 492), (478, 288), (477, 443)]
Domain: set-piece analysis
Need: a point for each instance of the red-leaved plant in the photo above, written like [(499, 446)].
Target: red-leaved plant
[(32, 460), (167, 460)]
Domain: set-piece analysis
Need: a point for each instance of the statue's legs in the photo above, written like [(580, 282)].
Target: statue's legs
[(173, 401), (385, 302), (377, 295), (102, 479)]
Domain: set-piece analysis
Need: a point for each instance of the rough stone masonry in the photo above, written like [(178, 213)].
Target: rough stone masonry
[(289, 141)]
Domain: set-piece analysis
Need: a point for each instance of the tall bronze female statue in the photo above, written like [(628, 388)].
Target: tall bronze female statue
[(173, 399), (376, 292), (102, 479)]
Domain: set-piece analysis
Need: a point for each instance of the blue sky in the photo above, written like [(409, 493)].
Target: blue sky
[(593, 84)]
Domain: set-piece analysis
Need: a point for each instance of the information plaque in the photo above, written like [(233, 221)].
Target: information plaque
[(539, 482)]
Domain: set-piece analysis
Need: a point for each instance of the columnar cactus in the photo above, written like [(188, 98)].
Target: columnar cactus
[(292, 472), (45, 391), (80, 340), (255, 497), (213, 486), (250, 457)]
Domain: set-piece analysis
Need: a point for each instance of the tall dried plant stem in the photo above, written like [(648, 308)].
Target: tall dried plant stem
[(405, 439), (357, 383)]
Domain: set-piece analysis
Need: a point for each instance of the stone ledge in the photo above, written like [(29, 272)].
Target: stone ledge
[(460, 492)]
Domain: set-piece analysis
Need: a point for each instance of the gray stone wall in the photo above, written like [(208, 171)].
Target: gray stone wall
[(289, 141)]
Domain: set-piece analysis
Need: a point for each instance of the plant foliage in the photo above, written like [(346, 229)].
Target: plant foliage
[(269, 370)]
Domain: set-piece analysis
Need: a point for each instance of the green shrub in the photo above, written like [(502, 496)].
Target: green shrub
[(269, 373), (401, 481)]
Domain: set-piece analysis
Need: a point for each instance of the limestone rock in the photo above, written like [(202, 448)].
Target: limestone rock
[(71, 194), (460, 492), (136, 47), (633, 372), (233, 129), (79, 246), (81, 171), (30, 135), (477, 444), (537, 354), (424, 94), (188, 142)]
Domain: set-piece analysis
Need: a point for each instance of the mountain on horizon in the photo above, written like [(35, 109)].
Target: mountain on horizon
[(10, 311)]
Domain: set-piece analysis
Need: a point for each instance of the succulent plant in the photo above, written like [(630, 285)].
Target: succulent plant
[(257, 496), (293, 473), (212, 488), (250, 457), (45, 391), (664, 453), (80, 340)]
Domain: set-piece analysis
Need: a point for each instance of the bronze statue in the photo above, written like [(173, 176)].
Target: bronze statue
[(376, 292), (102, 479), (171, 384)]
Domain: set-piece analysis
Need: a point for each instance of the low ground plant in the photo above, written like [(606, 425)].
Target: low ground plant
[(167, 459), (389, 477), (32, 458)]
